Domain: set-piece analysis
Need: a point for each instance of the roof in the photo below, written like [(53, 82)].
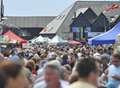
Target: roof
[(29, 21), (62, 22), (101, 24), (54, 25), (90, 15), (81, 10), (81, 20)]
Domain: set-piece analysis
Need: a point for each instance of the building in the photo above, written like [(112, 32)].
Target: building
[(27, 27), (61, 25)]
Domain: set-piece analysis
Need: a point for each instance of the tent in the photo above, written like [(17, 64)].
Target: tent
[(107, 37), (47, 39), (38, 39), (32, 40), (57, 39), (13, 37)]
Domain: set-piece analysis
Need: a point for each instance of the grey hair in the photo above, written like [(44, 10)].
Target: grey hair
[(58, 69)]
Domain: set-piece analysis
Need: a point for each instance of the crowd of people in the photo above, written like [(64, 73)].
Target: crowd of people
[(63, 66)]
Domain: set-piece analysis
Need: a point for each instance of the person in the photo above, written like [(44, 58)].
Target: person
[(1, 57), (87, 69), (15, 75), (14, 57), (52, 78), (3, 79), (114, 71)]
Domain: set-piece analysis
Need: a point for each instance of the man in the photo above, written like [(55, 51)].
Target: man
[(15, 76), (114, 71), (52, 78), (87, 69)]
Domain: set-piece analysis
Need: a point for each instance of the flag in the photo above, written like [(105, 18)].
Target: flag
[(45, 30), (112, 7)]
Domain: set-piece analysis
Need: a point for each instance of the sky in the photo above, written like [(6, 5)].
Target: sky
[(35, 7)]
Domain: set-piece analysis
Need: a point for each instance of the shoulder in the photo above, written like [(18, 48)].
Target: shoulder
[(111, 67), (40, 85), (64, 84), (81, 85), (75, 85)]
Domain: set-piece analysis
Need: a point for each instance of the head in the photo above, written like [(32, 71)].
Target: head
[(51, 72), (116, 59), (30, 65), (66, 70), (15, 75), (105, 59), (87, 69)]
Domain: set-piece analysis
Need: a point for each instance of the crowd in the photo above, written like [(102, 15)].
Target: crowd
[(52, 66)]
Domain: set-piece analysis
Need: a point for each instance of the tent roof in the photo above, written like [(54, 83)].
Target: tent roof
[(107, 37), (38, 39), (57, 39), (13, 36)]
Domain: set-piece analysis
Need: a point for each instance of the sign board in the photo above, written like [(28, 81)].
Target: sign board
[(75, 29)]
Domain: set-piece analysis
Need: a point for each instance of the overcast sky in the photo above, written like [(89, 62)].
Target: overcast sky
[(35, 7)]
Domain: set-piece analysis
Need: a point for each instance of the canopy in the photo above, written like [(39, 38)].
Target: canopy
[(32, 40), (107, 37), (38, 39), (13, 37), (47, 39), (57, 39), (73, 42)]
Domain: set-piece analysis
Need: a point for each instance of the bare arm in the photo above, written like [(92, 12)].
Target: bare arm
[(117, 77)]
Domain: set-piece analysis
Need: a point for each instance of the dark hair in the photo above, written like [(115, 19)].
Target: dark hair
[(116, 55), (3, 79), (10, 69), (30, 65), (85, 66)]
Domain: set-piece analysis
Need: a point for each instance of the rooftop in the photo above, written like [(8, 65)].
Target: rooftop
[(29, 21)]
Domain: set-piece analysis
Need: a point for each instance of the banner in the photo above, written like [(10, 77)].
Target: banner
[(75, 29)]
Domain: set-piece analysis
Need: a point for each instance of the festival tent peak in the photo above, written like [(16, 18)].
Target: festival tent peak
[(57, 39), (40, 39), (13, 37), (32, 40), (47, 39), (107, 37)]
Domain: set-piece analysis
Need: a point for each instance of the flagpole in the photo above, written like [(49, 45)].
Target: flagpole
[(2, 11), (1, 16)]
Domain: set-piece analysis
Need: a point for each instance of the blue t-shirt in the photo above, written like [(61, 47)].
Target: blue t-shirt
[(113, 70)]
